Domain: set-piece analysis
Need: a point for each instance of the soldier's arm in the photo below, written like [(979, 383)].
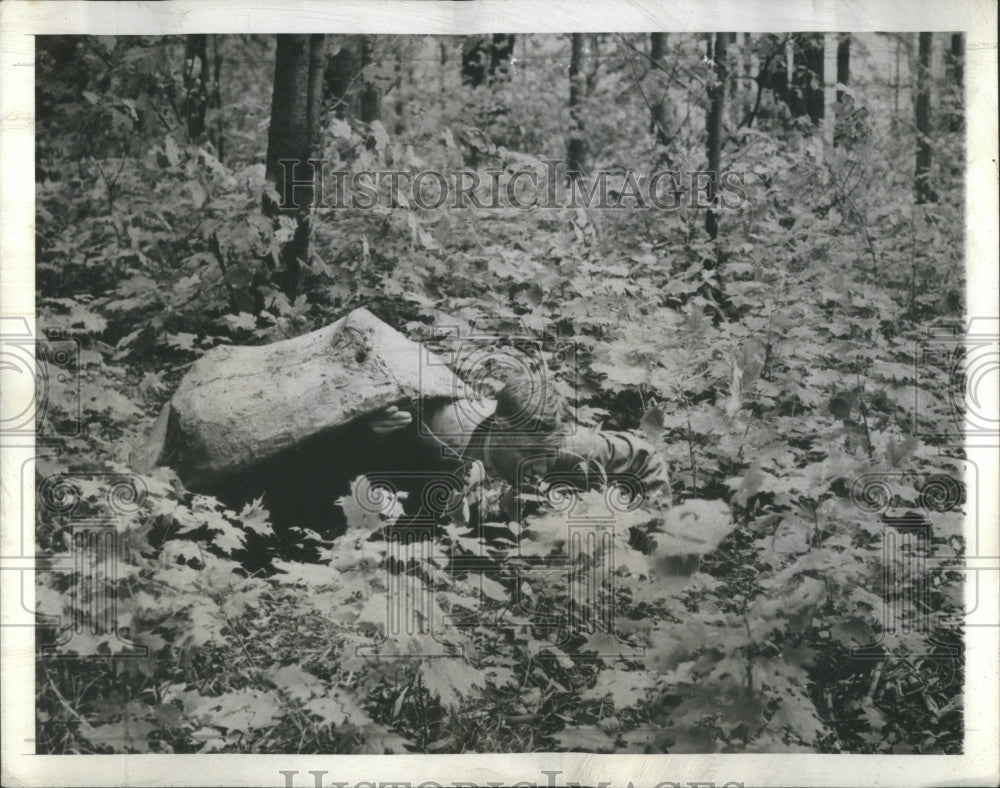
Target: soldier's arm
[(445, 424)]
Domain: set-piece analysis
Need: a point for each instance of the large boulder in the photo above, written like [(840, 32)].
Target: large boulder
[(240, 406)]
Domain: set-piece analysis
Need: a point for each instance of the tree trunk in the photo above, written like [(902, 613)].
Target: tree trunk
[(924, 188), (794, 97), (717, 98), (800, 84), (774, 75), (400, 104), (475, 61), (595, 63), (843, 64), (954, 70), (956, 58), (294, 138), (484, 58), (660, 121), (576, 153), (831, 50), (501, 51), (895, 85), (657, 48), (810, 77), (443, 63), (370, 103), (195, 84), (844, 104), (748, 78), (736, 84), (341, 71), (215, 101)]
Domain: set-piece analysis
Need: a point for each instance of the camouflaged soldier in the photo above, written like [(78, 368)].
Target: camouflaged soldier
[(529, 439)]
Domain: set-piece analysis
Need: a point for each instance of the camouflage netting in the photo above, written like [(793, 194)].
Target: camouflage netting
[(240, 406)]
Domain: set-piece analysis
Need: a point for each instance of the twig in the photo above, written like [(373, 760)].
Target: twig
[(179, 367), (216, 247), (913, 259), (694, 468), (642, 93), (749, 649), (751, 116), (876, 678), (659, 66), (858, 216), (65, 704), (864, 413)]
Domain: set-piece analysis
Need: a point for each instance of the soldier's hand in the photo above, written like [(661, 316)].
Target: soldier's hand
[(389, 420)]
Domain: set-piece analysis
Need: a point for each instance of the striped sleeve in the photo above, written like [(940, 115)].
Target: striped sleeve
[(589, 458)]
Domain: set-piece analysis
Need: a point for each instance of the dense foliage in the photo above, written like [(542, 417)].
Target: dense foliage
[(775, 607)]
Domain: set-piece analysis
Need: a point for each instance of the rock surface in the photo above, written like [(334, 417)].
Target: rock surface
[(239, 406)]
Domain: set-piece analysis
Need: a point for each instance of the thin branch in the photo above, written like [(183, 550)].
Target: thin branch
[(858, 216), (864, 413), (759, 79), (659, 66), (638, 84)]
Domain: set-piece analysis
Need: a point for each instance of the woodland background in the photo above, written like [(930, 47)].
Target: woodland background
[(772, 350)]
